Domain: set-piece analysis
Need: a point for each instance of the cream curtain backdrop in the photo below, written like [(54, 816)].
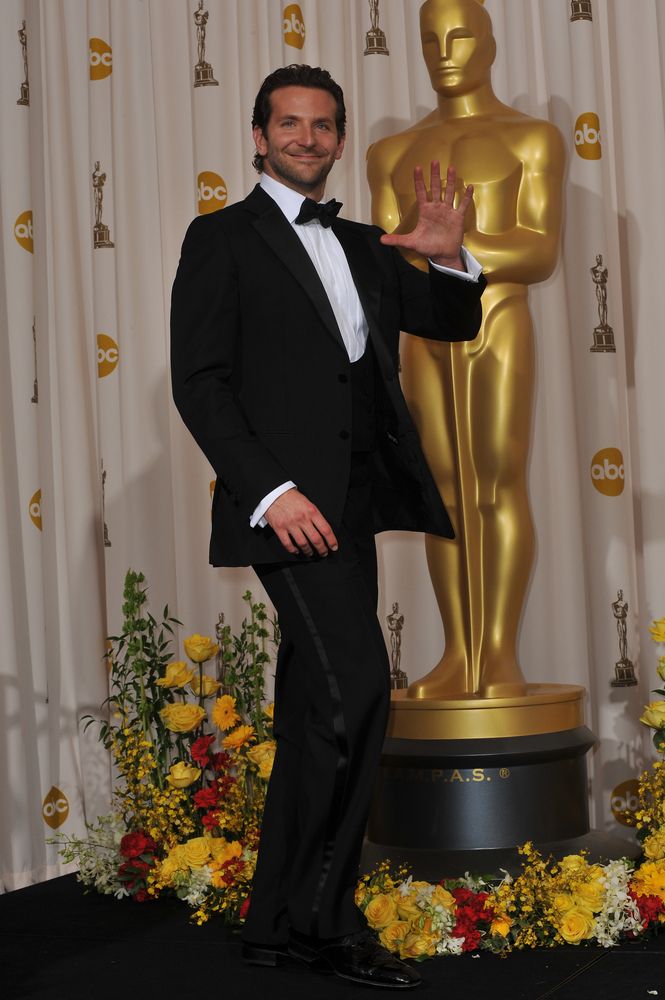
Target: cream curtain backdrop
[(97, 472)]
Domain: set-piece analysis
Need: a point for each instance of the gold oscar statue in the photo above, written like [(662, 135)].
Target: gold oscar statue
[(472, 401)]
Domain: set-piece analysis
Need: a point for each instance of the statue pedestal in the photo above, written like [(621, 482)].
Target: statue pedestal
[(462, 783)]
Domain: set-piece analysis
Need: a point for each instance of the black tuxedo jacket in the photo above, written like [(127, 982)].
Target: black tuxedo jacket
[(261, 375)]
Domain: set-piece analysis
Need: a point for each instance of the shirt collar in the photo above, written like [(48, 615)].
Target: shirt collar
[(289, 201)]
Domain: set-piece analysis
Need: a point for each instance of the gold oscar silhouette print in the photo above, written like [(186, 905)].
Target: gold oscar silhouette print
[(603, 335), (25, 86), (580, 10), (375, 39), (100, 233), (203, 74), (624, 671), (472, 401), (398, 679)]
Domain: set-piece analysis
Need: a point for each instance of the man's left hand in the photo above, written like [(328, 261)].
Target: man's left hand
[(440, 228)]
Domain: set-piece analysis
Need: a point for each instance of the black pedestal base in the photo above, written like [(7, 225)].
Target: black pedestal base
[(450, 806)]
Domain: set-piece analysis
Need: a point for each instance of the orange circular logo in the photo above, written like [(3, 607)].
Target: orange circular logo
[(587, 136), (607, 472), (107, 355), (294, 26), (23, 231), (101, 59), (35, 508), (211, 192), (625, 802)]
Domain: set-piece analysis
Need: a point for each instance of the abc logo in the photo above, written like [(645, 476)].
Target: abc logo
[(211, 192), (107, 355), (625, 802), (607, 472), (35, 509), (294, 26), (587, 136), (101, 59), (23, 231), (55, 808)]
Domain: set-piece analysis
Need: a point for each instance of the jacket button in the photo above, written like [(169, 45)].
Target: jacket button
[(342, 378), (344, 435)]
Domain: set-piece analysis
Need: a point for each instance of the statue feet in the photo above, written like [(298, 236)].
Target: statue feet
[(450, 678), (499, 679)]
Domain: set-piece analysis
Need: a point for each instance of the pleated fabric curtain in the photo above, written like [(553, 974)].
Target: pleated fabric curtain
[(121, 121)]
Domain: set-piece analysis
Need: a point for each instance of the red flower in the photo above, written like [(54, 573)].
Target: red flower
[(471, 916), (133, 845), (205, 798), (244, 908), (141, 896), (220, 761), (210, 821), (200, 748), (650, 908)]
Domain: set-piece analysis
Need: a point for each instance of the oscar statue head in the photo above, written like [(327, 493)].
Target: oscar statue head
[(458, 45)]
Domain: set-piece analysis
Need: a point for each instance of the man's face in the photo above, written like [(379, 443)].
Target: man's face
[(300, 143), (457, 45)]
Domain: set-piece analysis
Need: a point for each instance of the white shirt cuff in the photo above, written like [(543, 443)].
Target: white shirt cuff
[(257, 520), (473, 268)]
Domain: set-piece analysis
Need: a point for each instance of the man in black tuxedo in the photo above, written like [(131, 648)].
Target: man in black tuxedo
[(285, 337)]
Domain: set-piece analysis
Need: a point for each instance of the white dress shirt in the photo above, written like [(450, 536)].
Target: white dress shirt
[(332, 267)]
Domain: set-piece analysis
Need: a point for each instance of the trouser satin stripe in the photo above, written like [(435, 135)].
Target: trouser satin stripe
[(341, 741)]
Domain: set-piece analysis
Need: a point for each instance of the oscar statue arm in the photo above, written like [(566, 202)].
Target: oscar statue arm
[(527, 253)]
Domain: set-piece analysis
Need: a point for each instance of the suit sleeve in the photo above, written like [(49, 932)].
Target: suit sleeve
[(205, 352), (436, 305)]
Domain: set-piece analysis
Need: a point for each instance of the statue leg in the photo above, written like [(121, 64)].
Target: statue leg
[(501, 393), (427, 383)]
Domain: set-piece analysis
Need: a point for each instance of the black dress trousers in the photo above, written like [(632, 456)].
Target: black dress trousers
[(332, 695)]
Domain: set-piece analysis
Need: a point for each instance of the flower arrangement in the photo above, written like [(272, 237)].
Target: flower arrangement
[(194, 752), (547, 904), (193, 755)]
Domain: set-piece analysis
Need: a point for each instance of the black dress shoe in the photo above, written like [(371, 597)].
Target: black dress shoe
[(358, 957), (263, 954)]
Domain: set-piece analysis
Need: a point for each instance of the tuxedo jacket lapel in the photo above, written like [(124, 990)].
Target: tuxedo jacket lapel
[(273, 227)]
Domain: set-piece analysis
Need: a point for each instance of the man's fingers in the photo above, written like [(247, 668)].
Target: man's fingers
[(451, 179), (435, 180), (419, 184), (326, 532)]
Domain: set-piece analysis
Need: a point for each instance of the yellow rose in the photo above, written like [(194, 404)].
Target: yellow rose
[(196, 851), (392, 936), (592, 895), (562, 902), (380, 911), (200, 648), (238, 738), (654, 845), (406, 906), (654, 714), (500, 925), (263, 755), (269, 710), (224, 713), (204, 685), (576, 925), (182, 775), (182, 718), (177, 675), (223, 850), (658, 630), (172, 863), (441, 897), (573, 863), (661, 667), (416, 945)]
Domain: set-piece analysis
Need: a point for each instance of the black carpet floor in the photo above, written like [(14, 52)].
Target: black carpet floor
[(59, 943)]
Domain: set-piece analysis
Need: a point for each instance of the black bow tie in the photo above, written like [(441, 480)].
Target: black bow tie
[(313, 210)]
